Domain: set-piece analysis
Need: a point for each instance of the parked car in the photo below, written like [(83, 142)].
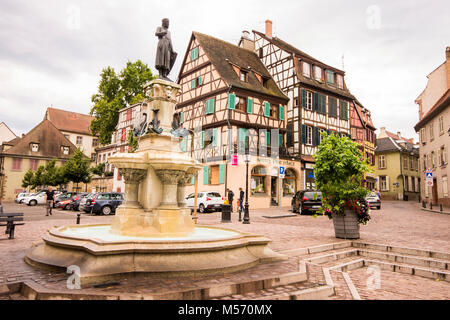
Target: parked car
[(64, 204), (307, 201), (206, 201), (105, 203), (75, 204), (35, 198), (63, 197), (20, 197), (374, 201)]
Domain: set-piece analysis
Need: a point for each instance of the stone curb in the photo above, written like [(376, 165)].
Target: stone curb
[(435, 211)]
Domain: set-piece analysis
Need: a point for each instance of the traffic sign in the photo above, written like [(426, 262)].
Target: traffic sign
[(429, 182), (429, 175), (282, 172), (234, 160)]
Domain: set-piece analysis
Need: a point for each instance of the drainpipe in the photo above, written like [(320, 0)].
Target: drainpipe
[(228, 145)]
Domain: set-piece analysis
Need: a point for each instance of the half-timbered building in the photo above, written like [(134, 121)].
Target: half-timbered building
[(319, 98), (232, 106)]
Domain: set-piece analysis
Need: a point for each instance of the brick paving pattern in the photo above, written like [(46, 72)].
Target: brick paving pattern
[(397, 223)]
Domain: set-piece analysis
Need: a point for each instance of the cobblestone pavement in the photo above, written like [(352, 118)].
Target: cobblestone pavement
[(397, 223)]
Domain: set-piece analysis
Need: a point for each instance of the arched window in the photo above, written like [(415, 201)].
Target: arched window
[(289, 183), (258, 180)]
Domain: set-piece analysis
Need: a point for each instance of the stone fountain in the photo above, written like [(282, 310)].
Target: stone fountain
[(153, 231)]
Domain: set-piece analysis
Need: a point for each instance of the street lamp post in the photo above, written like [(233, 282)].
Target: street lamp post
[(246, 213)]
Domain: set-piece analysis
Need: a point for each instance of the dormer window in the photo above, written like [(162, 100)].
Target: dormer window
[(330, 77), (244, 76), (317, 73), (265, 82), (34, 147), (340, 81), (65, 150), (306, 69)]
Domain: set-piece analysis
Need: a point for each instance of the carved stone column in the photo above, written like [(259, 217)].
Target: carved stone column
[(169, 179), (132, 177), (181, 193)]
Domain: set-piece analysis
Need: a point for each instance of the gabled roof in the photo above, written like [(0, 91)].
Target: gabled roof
[(305, 80), (70, 121), (366, 120), (223, 55), (440, 105), (50, 141), (390, 145)]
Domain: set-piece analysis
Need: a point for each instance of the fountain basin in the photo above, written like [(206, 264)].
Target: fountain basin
[(102, 255)]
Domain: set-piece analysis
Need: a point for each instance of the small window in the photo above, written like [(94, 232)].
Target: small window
[(65, 150), (340, 81), (194, 54), (265, 82), (241, 104), (330, 77), (261, 53), (79, 140), (306, 69), (441, 124), (431, 132), (35, 147), (94, 142), (317, 73), (244, 76), (309, 135)]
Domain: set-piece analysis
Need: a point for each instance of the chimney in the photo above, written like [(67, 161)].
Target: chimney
[(246, 42), (399, 134), (382, 133), (269, 28)]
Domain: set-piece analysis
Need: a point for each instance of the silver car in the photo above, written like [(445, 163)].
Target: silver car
[(374, 201)]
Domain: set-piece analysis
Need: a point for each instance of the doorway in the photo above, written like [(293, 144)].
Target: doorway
[(435, 192), (273, 191)]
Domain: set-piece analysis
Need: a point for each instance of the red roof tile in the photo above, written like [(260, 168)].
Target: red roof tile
[(70, 121)]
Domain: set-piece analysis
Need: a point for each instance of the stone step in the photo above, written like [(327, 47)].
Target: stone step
[(317, 249), (402, 250), (322, 259), (406, 259)]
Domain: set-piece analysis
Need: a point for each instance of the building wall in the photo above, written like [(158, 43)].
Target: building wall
[(436, 87), (235, 179), (5, 133), (440, 171), (87, 145)]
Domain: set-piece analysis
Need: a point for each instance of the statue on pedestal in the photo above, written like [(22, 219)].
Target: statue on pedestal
[(165, 56)]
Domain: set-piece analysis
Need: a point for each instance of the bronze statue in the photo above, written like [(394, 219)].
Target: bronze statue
[(165, 56)]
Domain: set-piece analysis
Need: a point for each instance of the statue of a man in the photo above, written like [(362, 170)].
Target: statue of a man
[(165, 56)]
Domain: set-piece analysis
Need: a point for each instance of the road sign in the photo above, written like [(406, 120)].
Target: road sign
[(234, 160), (429, 182), (429, 175), (282, 172)]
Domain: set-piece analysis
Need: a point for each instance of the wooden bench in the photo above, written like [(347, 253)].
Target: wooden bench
[(10, 221)]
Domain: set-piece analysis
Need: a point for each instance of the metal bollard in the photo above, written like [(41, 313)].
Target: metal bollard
[(424, 204), (78, 217), (441, 207), (431, 205)]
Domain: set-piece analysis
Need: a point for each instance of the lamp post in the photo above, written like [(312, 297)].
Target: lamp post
[(246, 213)]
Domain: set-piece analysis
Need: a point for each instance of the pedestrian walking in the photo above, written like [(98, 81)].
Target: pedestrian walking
[(241, 199), (49, 198), (230, 198)]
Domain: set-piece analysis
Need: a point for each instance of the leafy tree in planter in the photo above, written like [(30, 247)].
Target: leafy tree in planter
[(339, 170), (76, 169)]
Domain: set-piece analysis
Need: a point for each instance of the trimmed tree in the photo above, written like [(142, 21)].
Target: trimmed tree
[(76, 169), (27, 180)]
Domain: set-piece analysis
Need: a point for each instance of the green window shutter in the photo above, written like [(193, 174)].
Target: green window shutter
[(200, 81), (193, 180), (316, 136), (250, 105), (268, 138), (205, 175), (202, 139), (315, 101), (210, 105), (231, 101), (303, 98), (194, 54), (281, 112), (322, 108), (243, 140), (193, 84), (181, 117), (183, 145), (215, 136), (280, 139), (303, 134), (222, 174), (266, 109)]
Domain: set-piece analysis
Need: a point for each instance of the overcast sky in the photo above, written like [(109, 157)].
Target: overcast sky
[(52, 51)]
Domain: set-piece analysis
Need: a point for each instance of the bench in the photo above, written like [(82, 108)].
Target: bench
[(9, 220)]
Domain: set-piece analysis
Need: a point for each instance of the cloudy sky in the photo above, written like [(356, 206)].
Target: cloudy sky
[(52, 51)]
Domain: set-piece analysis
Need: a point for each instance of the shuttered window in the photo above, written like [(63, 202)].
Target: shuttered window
[(205, 175), (281, 112), (215, 137), (316, 139), (210, 106), (202, 139), (243, 140), (280, 139), (214, 174), (231, 101), (332, 107), (249, 105), (222, 174), (194, 53), (181, 117), (266, 109), (200, 81), (330, 77), (343, 110), (303, 134), (267, 138), (193, 82)]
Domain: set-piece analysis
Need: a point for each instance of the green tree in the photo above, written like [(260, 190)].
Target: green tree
[(27, 180), (76, 169), (99, 169), (115, 92), (37, 179), (50, 174)]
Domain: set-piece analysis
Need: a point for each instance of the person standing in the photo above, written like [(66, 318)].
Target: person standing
[(49, 198), (230, 198), (241, 199)]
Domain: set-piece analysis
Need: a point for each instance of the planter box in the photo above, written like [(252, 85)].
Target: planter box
[(346, 226)]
